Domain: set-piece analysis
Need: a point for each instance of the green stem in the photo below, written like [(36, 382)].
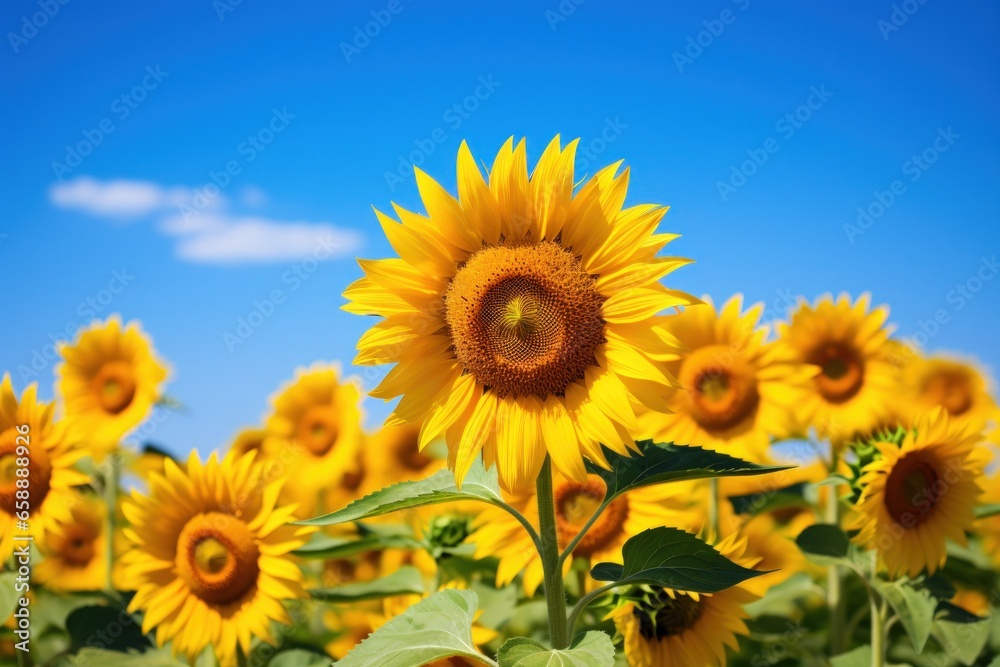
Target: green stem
[(878, 633), (834, 574), (555, 595), (568, 551), (713, 508), (586, 600), (111, 500)]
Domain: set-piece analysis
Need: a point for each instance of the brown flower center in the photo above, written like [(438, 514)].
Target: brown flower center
[(911, 490), (950, 389), (217, 556), (114, 386), (842, 372), (664, 616), (524, 319), (404, 448), (576, 503), (35, 484), (77, 545), (722, 388), (319, 429)]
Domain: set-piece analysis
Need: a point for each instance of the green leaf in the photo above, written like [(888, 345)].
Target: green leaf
[(94, 622), (672, 558), (825, 541), (962, 641), (659, 464), (406, 580), (938, 585), (914, 607), (593, 649), (437, 627), (299, 658), (859, 657), (986, 511), (480, 484), (90, 657), (771, 501), (327, 547), (947, 611), (8, 596)]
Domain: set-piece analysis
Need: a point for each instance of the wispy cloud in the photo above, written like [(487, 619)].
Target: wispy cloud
[(205, 233)]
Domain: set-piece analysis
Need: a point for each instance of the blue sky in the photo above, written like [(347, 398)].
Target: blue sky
[(765, 127)]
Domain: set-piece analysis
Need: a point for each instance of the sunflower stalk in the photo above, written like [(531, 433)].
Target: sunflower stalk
[(555, 594), (834, 573)]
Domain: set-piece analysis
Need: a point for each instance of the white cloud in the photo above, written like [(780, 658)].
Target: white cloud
[(261, 240), (204, 230)]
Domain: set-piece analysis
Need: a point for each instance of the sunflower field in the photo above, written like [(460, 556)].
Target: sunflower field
[(584, 467)]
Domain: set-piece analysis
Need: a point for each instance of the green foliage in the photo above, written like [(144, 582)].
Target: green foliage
[(299, 658), (105, 627), (914, 607), (825, 544), (406, 580), (592, 649)]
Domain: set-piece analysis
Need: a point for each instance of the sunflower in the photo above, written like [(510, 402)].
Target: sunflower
[(29, 433), (248, 440), (854, 390), (663, 627), (75, 555), (738, 391), (499, 535), (210, 555), (109, 380), (957, 386), (315, 435), (918, 494), (393, 454), (522, 318)]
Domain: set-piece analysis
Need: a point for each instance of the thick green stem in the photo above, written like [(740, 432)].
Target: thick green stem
[(555, 594), (111, 500), (713, 508), (834, 573), (878, 633)]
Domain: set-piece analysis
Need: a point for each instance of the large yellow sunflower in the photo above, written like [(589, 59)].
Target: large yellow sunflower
[(857, 384), (738, 392), (680, 629), (957, 386), (210, 556), (314, 435), (917, 495), (29, 435), (522, 318), (499, 535), (109, 381)]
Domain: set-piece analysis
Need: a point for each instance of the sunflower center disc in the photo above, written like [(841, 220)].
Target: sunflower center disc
[(576, 503), (318, 429), (841, 372), (950, 390), (722, 388), (39, 471), (78, 548), (665, 616), (114, 386), (524, 319), (217, 556), (911, 491)]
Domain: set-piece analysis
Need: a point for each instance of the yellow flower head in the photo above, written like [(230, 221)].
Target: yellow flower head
[(498, 534), (393, 455), (75, 557), (686, 630), (31, 440), (314, 434), (109, 381), (917, 495), (210, 556), (853, 392), (737, 391), (521, 318), (959, 387)]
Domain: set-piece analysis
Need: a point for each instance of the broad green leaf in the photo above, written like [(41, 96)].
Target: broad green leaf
[(480, 484), (327, 547), (437, 627), (859, 657), (778, 499), (91, 657), (937, 585), (672, 558), (8, 595), (914, 607), (299, 658), (986, 511), (659, 464), (86, 623), (962, 641), (406, 580), (824, 542), (593, 649)]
